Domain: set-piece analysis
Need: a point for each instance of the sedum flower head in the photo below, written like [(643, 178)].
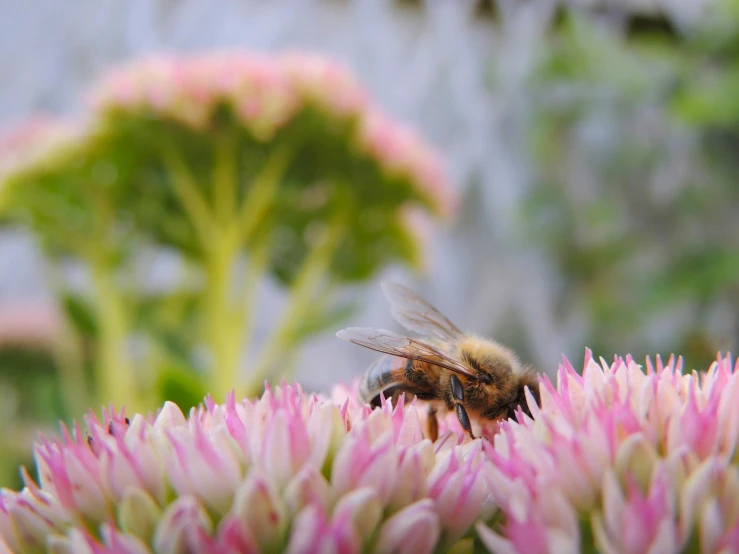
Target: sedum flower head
[(635, 461), (265, 93), (622, 459), (39, 141), (288, 472)]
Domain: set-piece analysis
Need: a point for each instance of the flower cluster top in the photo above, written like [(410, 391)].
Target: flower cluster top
[(282, 145), (266, 93), (627, 460)]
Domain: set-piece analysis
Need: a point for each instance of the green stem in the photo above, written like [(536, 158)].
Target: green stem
[(262, 193), (223, 320), (221, 332), (217, 231), (587, 537), (69, 360), (186, 189), (302, 297), (115, 380), (68, 354), (225, 177), (255, 271), (229, 316)]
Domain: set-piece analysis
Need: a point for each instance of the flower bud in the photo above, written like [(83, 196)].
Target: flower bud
[(362, 509), (180, 529), (307, 487), (413, 529), (261, 510), (138, 514), (637, 458)]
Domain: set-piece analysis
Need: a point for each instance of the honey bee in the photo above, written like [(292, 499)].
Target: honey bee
[(450, 369)]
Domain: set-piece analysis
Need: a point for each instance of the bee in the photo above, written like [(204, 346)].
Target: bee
[(450, 369)]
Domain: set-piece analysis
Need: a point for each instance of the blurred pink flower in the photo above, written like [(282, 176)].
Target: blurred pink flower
[(266, 92), (601, 464), (31, 324), (33, 140)]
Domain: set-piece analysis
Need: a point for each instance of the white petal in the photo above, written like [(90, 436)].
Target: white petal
[(410, 430), (665, 541), (730, 494), (4, 549), (29, 526), (413, 529), (276, 455), (88, 495), (493, 541), (261, 510), (412, 472), (170, 416), (602, 536), (711, 525), (363, 508), (138, 513), (55, 544), (179, 525), (694, 493), (124, 543), (74, 543), (638, 458), (613, 504), (561, 542), (309, 486), (304, 533)]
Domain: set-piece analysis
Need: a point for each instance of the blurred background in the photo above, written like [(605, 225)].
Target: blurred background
[(593, 146)]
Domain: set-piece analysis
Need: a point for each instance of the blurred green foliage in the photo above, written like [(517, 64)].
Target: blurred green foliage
[(635, 138), (30, 397)]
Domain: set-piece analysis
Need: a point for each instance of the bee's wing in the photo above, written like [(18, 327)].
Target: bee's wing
[(394, 344), (417, 315)]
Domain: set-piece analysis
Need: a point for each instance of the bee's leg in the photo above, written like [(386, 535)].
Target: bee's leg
[(464, 419), (433, 423), (458, 394)]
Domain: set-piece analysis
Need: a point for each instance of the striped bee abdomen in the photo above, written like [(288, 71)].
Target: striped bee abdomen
[(393, 376)]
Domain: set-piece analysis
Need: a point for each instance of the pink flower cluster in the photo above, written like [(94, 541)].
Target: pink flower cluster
[(266, 92), (646, 461), (31, 141), (31, 324), (290, 471), (617, 458)]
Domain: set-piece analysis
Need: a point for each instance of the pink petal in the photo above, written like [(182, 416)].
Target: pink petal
[(309, 486), (413, 529), (493, 541), (527, 537), (120, 543), (180, 526), (261, 510), (360, 509), (233, 537), (414, 467)]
